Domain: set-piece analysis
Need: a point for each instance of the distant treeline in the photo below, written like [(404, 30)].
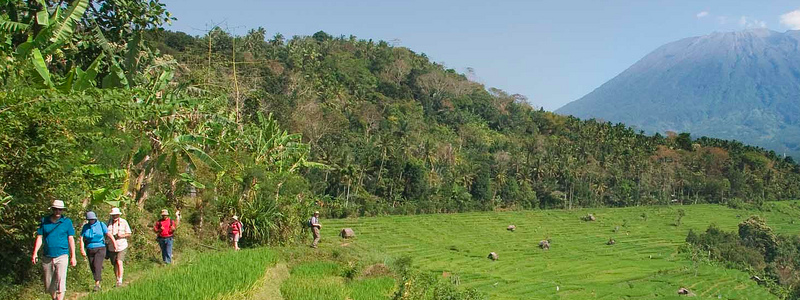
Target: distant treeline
[(403, 134)]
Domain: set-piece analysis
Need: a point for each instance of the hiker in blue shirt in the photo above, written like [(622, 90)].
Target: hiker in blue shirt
[(92, 241), (56, 231)]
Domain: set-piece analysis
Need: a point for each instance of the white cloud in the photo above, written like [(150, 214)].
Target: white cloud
[(702, 14), (791, 19), (746, 22)]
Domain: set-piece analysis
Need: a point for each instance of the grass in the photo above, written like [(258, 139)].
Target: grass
[(643, 264), (324, 281), (205, 276)]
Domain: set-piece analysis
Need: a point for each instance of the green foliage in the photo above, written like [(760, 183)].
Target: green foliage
[(755, 234), (681, 214), (756, 249)]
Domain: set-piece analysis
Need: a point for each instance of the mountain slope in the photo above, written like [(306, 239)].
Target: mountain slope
[(736, 85)]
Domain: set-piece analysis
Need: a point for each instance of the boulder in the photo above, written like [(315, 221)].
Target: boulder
[(511, 228), (684, 291), (347, 233), (611, 242), (544, 244), (492, 256), (589, 217)]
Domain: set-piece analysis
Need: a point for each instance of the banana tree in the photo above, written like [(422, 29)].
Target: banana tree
[(46, 33), (275, 152), (108, 185)]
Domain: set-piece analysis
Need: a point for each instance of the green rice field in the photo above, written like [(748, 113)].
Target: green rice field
[(643, 264)]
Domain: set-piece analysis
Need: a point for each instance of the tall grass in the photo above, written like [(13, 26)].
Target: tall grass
[(206, 276)]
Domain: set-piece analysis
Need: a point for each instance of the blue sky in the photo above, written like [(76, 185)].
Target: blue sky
[(553, 52)]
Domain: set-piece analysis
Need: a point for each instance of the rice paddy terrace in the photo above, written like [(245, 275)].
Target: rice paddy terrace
[(643, 264)]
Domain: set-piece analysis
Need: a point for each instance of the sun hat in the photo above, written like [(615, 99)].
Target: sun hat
[(58, 204), (235, 217), (316, 212), (115, 211), (90, 215), (164, 212)]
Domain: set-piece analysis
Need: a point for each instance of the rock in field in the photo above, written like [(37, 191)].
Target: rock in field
[(685, 291), (492, 256), (544, 244), (511, 228), (347, 233)]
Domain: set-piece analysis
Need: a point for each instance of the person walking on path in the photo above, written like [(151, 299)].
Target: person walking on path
[(315, 227), (121, 231), (56, 233), (93, 242), (236, 232), (165, 229)]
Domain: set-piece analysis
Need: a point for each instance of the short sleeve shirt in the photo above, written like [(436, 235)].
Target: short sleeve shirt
[(314, 220), (164, 228), (93, 234), (55, 235), (120, 227), (236, 227)]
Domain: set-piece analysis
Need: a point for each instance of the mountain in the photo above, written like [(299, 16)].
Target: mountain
[(734, 85)]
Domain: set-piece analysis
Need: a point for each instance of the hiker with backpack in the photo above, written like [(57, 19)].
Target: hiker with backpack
[(165, 229), (315, 227), (56, 234), (235, 229), (121, 231), (92, 241)]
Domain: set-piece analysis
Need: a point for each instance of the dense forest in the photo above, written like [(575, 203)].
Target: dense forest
[(101, 107)]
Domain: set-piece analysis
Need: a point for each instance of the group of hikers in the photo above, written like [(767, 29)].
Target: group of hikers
[(107, 240)]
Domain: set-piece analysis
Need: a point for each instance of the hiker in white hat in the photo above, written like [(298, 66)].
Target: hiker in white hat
[(236, 230), (121, 231), (93, 242), (315, 227), (56, 233), (165, 229)]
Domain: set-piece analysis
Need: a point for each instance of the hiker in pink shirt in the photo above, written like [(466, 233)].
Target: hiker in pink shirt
[(236, 232)]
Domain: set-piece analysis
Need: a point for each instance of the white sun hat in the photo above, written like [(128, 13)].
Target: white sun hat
[(115, 211), (58, 204)]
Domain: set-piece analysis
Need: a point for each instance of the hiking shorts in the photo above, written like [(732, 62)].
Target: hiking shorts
[(117, 256), (55, 273), (234, 237)]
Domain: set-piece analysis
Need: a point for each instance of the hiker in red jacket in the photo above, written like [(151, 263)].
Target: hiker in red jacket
[(165, 229), (236, 232)]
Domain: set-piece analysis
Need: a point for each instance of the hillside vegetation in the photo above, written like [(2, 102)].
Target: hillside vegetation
[(402, 134)]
